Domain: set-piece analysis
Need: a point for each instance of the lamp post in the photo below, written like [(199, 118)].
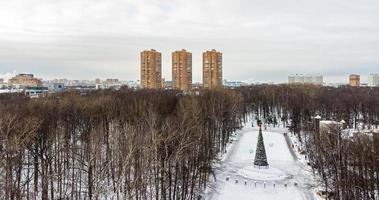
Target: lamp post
[(360, 190), (316, 135), (342, 122), (317, 123)]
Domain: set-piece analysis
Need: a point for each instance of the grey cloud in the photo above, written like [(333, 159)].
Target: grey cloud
[(261, 40)]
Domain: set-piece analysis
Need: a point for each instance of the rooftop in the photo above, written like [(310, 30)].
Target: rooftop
[(24, 74)]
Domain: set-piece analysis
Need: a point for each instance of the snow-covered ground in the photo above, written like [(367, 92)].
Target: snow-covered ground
[(236, 178)]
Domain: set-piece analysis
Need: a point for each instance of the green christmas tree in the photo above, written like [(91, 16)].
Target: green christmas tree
[(260, 154)]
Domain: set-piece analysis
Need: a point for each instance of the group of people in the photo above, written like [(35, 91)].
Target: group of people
[(259, 124)]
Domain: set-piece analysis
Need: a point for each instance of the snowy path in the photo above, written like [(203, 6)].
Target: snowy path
[(261, 184)]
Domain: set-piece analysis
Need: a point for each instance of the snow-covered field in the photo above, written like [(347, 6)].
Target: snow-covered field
[(236, 178)]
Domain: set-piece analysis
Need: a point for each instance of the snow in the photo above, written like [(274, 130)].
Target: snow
[(240, 192), (236, 177), (255, 173), (329, 122)]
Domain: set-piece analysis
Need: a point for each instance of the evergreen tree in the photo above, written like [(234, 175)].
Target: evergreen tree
[(260, 154)]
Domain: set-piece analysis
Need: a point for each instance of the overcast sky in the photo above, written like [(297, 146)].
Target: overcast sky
[(261, 40)]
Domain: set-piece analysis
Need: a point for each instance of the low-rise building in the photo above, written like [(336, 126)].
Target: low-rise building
[(112, 81), (56, 87), (108, 83), (97, 81), (3, 85), (328, 126), (373, 80), (132, 84), (35, 92), (168, 85), (81, 88), (354, 80), (305, 79), (197, 86), (10, 90), (233, 84), (24, 80), (335, 127)]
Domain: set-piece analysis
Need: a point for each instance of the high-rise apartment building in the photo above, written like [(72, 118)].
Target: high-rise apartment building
[(355, 80), (212, 69), (151, 69), (182, 70)]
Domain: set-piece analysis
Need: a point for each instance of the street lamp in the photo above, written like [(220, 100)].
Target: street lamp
[(360, 190), (339, 139), (343, 123), (317, 124)]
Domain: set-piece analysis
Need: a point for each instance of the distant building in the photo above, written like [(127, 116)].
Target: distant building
[(212, 69), (373, 80), (305, 79), (63, 80), (168, 85), (291, 79), (5, 90), (133, 84), (81, 88), (97, 81), (182, 70), (70, 83), (55, 87), (335, 128), (163, 83), (151, 69), (3, 85), (112, 81), (330, 127), (354, 80), (197, 86), (233, 84), (1, 81), (24, 80), (35, 92)]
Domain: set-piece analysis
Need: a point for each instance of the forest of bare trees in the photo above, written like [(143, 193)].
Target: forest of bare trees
[(123, 144), (155, 144), (348, 167)]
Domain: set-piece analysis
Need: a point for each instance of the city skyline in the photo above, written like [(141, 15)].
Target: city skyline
[(327, 79), (261, 41)]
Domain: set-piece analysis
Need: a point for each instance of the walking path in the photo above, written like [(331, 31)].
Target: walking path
[(236, 178)]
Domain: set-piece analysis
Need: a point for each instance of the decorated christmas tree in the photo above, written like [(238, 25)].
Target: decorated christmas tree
[(260, 154)]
